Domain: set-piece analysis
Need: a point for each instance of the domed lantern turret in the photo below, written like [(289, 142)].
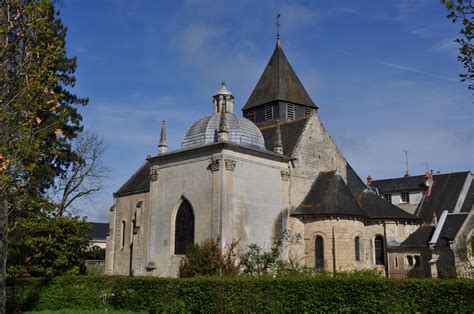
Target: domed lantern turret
[(223, 99), (223, 125)]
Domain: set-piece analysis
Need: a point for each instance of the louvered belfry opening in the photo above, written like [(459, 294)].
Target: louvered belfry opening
[(184, 228), (319, 252)]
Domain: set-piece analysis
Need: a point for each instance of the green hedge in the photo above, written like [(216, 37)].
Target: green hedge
[(244, 294), (23, 294)]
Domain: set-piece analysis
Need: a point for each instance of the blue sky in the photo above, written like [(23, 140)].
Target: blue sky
[(384, 74)]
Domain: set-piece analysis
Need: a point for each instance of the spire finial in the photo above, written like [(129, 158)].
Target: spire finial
[(162, 147), (278, 25), (223, 132), (278, 148)]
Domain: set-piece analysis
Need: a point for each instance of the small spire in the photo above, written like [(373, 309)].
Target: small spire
[(278, 148), (162, 147), (278, 25), (223, 132)]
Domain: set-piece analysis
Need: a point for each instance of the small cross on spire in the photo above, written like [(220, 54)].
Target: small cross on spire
[(278, 25)]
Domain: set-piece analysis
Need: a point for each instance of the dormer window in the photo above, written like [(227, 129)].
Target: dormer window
[(388, 197), (405, 197), (290, 111), (269, 113), (251, 116)]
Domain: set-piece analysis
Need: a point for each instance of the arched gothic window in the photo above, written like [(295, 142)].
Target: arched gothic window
[(319, 252), (379, 250), (357, 248), (184, 228)]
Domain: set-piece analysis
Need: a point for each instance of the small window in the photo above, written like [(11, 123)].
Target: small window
[(357, 248), (417, 261), (123, 233), (405, 197), (396, 261), (319, 252), (379, 251), (388, 197), (290, 111), (307, 112), (251, 116), (269, 113), (410, 260)]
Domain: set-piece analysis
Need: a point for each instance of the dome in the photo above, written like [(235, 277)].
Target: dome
[(241, 131)]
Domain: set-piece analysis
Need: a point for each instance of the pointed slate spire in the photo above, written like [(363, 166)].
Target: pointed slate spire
[(278, 148), (163, 147), (279, 82)]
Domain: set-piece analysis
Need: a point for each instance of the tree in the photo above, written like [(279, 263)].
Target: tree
[(38, 114), (464, 11), (47, 246), (83, 177)]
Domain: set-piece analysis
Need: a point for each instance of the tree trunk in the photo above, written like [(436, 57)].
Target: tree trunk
[(3, 253)]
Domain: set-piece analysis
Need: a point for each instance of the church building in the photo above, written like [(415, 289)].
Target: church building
[(252, 177)]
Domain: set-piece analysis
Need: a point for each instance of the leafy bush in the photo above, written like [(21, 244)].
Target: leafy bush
[(23, 294), (256, 262), (209, 259), (360, 292)]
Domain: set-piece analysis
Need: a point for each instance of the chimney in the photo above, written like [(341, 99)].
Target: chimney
[(163, 147), (428, 183), (278, 148), (369, 180)]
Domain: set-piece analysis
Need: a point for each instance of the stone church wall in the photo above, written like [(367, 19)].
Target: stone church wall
[(315, 151), (129, 245)]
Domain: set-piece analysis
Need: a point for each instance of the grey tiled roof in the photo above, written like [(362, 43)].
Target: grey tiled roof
[(354, 182), (279, 82), (99, 231), (444, 195), (451, 227), (139, 182), (290, 133), (420, 237), (329, 196), (241, 131), (378, 208)]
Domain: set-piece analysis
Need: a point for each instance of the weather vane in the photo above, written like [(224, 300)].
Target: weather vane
[(277, 23)]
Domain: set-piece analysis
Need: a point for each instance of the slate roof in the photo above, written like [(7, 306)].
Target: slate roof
[(290, 133), (354, 182), (329, 196), (420, 237), (469, 200), (279, 82), (99, 231), (400, 184), (378, 208), (139, 182), (451, 227), (444, 195)]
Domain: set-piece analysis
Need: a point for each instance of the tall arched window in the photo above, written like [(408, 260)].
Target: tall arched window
[(184, 228), (379, 250), (319, 252), (357, 248)]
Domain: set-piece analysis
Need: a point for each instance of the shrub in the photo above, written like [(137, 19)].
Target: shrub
[(359, 292), (23, 294), (209, 259)]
